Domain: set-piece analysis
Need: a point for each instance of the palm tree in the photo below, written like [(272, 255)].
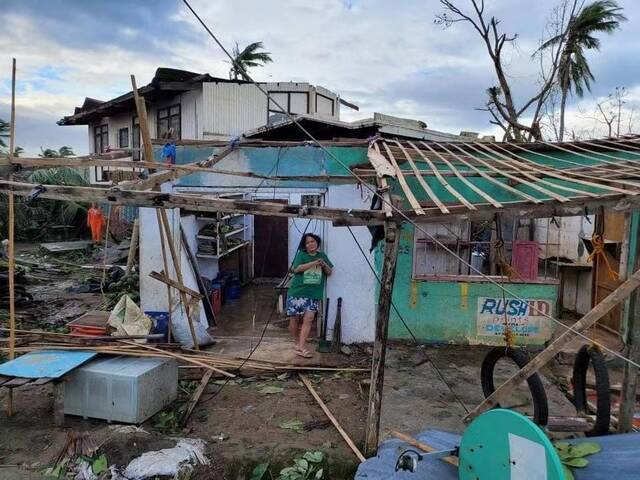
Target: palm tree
[(66, 151), (248, 58), (574, 73), (18, 151), (48, 153), (5, 128)]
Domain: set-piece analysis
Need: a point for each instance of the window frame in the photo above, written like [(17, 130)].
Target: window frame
[(288, 106), (333, 103), (168, 118), (126, 137)]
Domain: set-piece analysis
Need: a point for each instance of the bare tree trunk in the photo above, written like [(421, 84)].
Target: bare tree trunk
[(563, 104)]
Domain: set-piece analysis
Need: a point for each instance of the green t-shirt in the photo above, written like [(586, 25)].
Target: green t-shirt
[(310, 283)]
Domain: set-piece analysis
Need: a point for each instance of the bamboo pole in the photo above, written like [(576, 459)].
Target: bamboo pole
[(134, 246), (12, 253)]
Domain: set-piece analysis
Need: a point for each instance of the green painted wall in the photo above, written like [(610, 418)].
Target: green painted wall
[(446, 312)]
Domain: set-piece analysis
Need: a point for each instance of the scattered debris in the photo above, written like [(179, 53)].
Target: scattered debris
[(294, 424), (169, 461), (271, 389)]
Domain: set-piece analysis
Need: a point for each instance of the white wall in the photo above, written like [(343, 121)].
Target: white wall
[(352, 279), (567, 235)]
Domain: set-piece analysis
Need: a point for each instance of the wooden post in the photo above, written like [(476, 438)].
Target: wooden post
[(391, 242), (166, 272), (134, 246), (596, 313), (58, 403), (632, 342), (11, 252)]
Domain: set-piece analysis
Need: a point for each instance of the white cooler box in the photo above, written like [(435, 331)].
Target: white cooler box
[(121, 389)]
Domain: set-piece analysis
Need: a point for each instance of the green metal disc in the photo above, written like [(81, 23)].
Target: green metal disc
[(504, 445)]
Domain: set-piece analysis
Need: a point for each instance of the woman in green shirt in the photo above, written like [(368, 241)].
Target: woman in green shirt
[(310, 270)]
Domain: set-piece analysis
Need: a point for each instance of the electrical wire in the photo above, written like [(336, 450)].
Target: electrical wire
[(418, 344), (399, 212)]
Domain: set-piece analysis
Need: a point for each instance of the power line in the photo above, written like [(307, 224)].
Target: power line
[(393, 207)]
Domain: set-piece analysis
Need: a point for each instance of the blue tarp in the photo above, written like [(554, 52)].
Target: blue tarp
[(618, 459), (45, 364)]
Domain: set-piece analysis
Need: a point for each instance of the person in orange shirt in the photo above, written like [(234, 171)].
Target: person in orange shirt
[(96, 222)]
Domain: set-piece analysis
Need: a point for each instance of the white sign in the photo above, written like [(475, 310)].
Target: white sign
[(528, 459), (525, 318)]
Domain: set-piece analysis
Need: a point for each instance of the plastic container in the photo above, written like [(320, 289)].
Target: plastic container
[(234, 290), (160, 324), (91, 324), (216, 297)]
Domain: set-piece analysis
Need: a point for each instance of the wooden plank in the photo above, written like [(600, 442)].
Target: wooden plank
[(196, 203), (164, 226), (570, 176), (627, 410), (195, 398), (58, 403), (425, 186), (618, 295), (500, 184), (161, 277), (380, 164), (540, 171), (17, 382), (133, 246), (390, 258), (479, 191), (330, 416), (11, 267), (440, 178), (165, 264), (183, 358), (384, 189), (424, 447), (515, 178), (208, 308), (588, 157), (403, 183)]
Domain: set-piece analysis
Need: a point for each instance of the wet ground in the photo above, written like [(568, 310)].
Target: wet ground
[(243, 426)]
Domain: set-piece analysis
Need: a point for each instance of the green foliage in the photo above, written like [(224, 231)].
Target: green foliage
[(259, 471), (304, 468), (99, 464), (271, 389), (251, 56), (294, 424), (168, 421), (5, 128), (572, 456)]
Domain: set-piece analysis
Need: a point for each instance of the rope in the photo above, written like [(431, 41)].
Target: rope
[(598, 251), (400, 213)]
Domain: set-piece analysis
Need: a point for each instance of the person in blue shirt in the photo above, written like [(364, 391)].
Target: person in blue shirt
[(169, 148)]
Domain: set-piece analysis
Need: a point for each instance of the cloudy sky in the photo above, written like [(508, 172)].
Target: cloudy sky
[(385, 56)]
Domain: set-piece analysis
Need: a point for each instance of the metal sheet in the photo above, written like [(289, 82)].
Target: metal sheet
[(45, 363)]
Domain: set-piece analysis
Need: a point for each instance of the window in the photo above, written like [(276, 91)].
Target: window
[(324, 105), (123, 138), (311, 200), (169, 119), (137, 153), (292, 102), (100, 139), (473, 242)]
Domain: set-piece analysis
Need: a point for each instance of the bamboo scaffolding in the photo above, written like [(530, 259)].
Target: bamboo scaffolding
[(403, 183)]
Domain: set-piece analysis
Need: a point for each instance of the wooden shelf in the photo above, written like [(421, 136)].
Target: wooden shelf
[(206, 255), (233, 232)]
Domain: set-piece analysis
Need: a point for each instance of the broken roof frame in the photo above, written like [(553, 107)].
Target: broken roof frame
[(436, 180)]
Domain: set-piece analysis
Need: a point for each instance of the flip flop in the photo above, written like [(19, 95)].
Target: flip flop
[(304, 353)]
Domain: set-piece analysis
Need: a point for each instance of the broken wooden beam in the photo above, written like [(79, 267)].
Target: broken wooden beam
[(596, 313), (178, 286), (424, 447), (330, 416), (195, 398)]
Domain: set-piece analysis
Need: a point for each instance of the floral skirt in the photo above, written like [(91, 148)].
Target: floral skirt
[(300, 305)]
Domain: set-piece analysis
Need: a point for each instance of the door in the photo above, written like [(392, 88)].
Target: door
[(271, 245)]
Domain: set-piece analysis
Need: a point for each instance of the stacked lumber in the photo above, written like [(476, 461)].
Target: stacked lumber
[(221, 365)]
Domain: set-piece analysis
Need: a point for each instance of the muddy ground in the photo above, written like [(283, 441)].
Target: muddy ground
[(242, 426)]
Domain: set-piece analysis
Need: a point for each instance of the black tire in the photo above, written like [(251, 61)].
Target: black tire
[(590, 354), (538, 395)]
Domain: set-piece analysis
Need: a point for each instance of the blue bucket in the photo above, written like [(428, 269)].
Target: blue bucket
[(234, 290), (160, 324)]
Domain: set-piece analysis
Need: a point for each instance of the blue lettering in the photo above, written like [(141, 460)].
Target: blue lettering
[(489, 305), (513, 307), (500, 307), (523, 308)]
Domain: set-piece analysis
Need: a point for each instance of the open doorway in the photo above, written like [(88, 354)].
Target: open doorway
[(271, 246)]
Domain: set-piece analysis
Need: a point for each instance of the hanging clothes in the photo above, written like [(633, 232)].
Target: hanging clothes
[(96, 222)]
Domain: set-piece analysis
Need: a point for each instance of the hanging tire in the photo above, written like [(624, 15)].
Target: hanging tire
[(538, 395), (590, 354)]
